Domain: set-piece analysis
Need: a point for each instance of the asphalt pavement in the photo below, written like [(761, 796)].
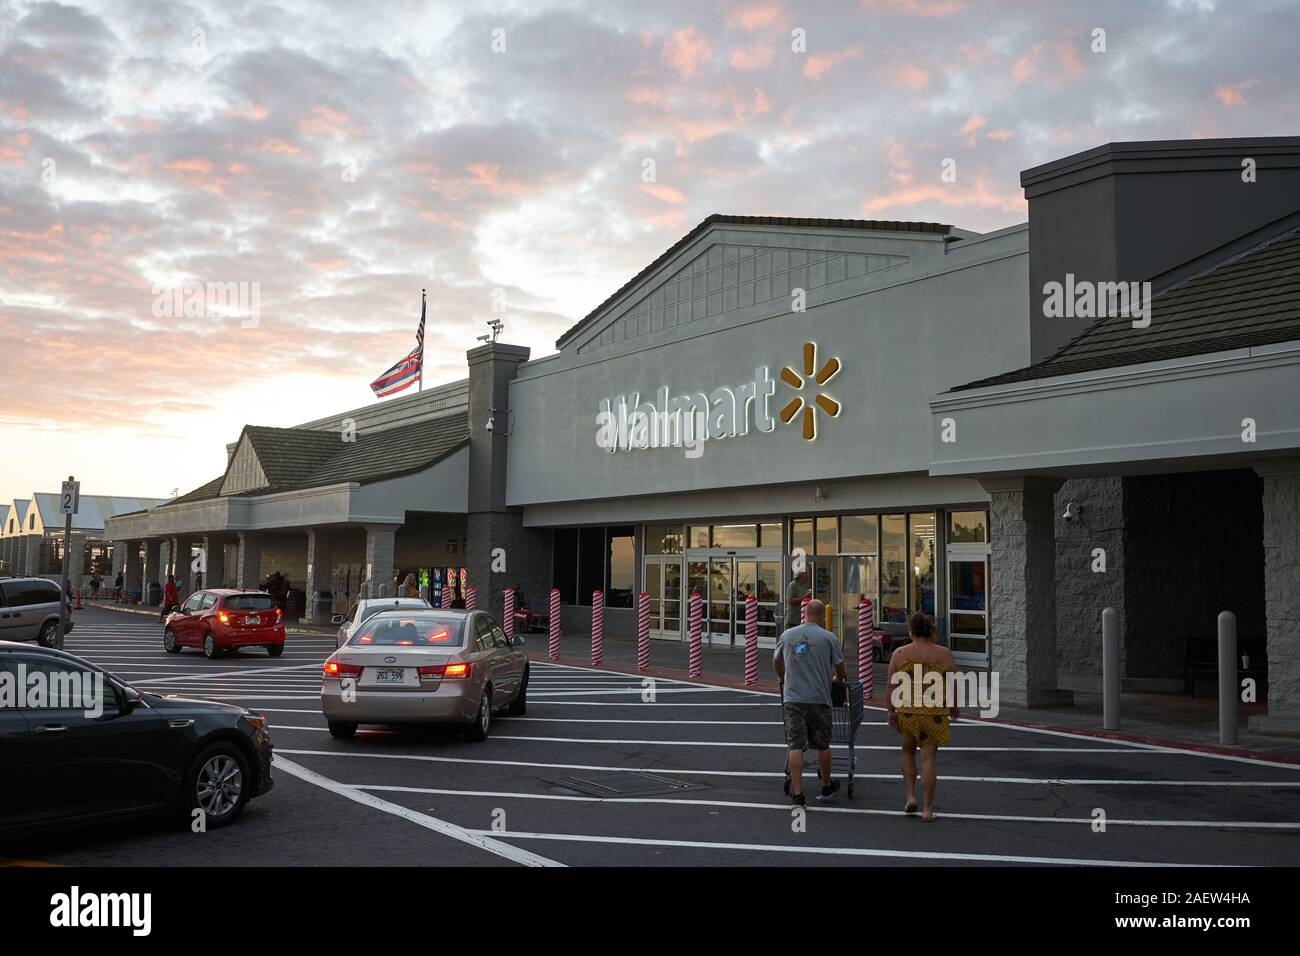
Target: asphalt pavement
[(611, 768)]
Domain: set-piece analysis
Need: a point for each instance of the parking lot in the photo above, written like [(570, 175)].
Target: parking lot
[(595, 773)]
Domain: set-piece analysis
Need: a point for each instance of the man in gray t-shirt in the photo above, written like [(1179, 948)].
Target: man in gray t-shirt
[(807, 659)]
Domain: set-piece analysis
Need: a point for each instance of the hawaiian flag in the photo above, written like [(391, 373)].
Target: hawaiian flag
[(408, 370)]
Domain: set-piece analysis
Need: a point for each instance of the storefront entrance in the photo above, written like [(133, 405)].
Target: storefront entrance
[(724, 580), (968, 603), (663, 582)]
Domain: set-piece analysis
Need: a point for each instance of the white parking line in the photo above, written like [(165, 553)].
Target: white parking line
[(828, 851), (1030, 781), (825, 808), (483, 841)]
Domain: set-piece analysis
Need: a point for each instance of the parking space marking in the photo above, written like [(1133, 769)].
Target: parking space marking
[(1052, 781), (826, 808), (830, 851), (482, 840)]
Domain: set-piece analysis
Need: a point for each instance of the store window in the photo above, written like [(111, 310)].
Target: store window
[(770, 536), (968, 527), (827, 535), (893, 569), (697, 536), (922, 551), (565, 564), (735, 536), (801, 535), (592, 558), (663, 539), (621, 579), (858, 534)]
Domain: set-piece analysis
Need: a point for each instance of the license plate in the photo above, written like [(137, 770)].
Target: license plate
[(253, 619), (388, 676)]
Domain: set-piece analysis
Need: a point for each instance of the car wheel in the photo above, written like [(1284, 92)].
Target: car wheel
[(219, 784), (342, 729), (275, 650), (169, 642), (49, 635), (209, 647), (519, 706), (483, 722)]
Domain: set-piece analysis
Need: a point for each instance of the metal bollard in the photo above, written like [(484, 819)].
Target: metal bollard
[(1228, 699), (1110, 668)]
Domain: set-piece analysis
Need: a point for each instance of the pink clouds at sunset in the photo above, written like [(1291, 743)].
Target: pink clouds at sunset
[(343, 157)]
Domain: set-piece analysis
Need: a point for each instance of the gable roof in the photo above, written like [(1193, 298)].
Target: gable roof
[(1250, 299), (294, 458), (721, 219)]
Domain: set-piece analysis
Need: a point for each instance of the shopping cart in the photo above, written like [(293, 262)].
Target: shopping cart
[(846, 718)]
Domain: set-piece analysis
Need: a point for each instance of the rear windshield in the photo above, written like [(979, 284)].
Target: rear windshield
[(249, 602), (411, 630)]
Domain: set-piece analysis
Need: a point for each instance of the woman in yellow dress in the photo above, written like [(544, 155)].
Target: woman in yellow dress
[(920, 727)]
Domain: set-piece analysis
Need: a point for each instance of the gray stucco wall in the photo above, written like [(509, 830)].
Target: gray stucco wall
[(952, 314)]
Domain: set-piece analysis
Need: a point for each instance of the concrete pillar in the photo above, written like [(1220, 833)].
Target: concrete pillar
[(153, 569), (32, 560), (498, 539), (1281, 499), (320, 566), (132, 567), (214, 562), (249, 571), (1022, 605), (380, 542), (181, 569), (77, 560)]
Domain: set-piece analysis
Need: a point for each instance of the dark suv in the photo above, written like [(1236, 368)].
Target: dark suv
[(29, 610), (77, 744)]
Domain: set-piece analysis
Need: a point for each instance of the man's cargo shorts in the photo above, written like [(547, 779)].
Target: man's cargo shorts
[(807, 726)]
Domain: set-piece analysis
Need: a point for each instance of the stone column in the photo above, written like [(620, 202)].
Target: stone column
[(380, 542), (76, 559), (249, 571), (1022, 605), (1281, 499), (132, 567), (153, 569), (214, 562), (181, 566), (320, 566), (32, 560)]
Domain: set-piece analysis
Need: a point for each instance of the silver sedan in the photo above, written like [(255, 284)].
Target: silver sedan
[(362, 609), (412, 665)]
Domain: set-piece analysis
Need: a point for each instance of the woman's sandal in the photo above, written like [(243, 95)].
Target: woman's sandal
[(928, 819), (910, 808)]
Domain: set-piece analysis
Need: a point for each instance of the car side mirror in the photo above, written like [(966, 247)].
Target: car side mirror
[(128, 700), (518, 641), (336, 619)]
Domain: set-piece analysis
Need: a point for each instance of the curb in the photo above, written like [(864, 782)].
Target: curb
[(769, 686)]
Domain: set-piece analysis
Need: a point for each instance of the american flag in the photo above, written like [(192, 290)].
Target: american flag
[(410, 369)]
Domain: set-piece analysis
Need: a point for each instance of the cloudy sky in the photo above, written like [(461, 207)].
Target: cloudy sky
[(341, 156)]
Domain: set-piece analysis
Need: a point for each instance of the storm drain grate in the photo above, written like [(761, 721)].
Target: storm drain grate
[(618, 783)]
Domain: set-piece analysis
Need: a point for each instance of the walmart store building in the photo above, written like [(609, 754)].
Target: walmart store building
[(911, 422)]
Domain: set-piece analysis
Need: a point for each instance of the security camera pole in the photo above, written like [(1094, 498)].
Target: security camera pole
[(69, 502)]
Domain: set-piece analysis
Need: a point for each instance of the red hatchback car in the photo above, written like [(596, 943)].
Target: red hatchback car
[(223, 619)]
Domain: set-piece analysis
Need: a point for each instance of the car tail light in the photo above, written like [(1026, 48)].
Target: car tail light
[(279, 613), (432, 672), (335, 670), (223, 617)]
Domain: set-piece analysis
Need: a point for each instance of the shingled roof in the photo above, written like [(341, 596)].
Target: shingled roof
[(722, 219), (1250, 299), (295, 458)]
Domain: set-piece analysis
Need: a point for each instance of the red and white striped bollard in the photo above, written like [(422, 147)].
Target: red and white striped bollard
[(866, 648), (508, 613), (554, 651), (751, 640), (696, 653), (597, 628), (643, 632), (803, 609), (471, 597)]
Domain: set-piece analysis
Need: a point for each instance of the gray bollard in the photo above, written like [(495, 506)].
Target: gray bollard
[(1229, 700), (1110, 668)]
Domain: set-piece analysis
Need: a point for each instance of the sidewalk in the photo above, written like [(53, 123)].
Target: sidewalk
[(1157, 719)]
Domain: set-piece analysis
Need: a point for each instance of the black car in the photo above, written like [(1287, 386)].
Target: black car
[(77, 755)]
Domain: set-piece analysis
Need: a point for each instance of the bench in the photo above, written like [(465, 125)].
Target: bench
[(1202, 657)]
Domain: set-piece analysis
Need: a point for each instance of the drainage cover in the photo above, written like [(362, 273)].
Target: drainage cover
[(622, 783)]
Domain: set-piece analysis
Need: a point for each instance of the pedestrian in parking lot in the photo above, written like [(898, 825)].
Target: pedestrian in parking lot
[(807, 661), (171, 597), (94, 587), (118, 584), (411, 587), (920, 728)]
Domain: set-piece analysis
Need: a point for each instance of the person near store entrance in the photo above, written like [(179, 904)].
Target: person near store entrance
[(808, 660), (794, 596), (920, 727), (171, 597)]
